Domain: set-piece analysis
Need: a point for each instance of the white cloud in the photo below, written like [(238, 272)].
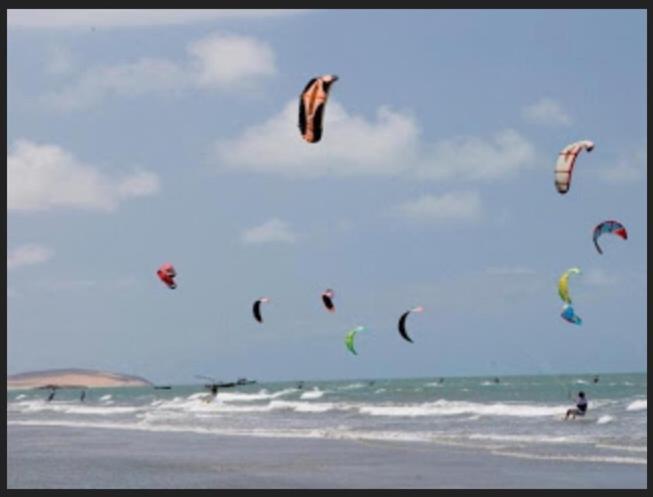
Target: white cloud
[(548, 112), (128, 18), (387, 145), (628, 170), (41, 177), (599, 277), (218, 61), (60, 60), (225, 61), (28, 254), (274, 230), (453, 206)]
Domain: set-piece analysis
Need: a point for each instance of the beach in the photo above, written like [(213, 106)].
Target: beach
[(110, 458), (465, 432)]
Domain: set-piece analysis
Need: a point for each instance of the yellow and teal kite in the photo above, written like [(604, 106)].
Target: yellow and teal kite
[(563, 284)]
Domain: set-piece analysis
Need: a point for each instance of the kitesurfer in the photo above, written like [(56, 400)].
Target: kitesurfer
[(51, 396), (82, 396), (581, 407)]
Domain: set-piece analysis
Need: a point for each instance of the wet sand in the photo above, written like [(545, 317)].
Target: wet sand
[(58, 457)]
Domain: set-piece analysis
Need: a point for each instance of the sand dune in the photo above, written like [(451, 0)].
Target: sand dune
[(74, 378)]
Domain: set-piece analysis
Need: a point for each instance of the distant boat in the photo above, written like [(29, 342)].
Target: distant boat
[(244, 381), (162, 387)]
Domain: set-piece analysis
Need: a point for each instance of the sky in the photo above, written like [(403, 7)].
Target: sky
[(147, 137)]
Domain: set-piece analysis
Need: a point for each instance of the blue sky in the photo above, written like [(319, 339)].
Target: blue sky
[(156, 136)]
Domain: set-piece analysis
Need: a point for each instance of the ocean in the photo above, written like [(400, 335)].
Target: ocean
[(518, 418)]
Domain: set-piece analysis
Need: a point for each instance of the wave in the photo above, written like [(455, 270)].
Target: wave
[(605, 419), (561, 439), (316, 393), (439, 438), (352, 386), (579, 458), (627, 448), (71, 408), (452, 408), (248, 397), (637, 405), (105, 397)]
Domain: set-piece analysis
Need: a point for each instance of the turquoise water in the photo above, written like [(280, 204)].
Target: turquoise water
[(520, 416)]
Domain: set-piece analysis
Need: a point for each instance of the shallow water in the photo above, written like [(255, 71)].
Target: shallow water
[(520, 417)]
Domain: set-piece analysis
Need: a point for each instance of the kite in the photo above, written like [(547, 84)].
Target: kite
[(311, 107), (568, 314), (614, 227), (566, 161), (256, 308), (349, 338), (563, 284), (327, 297), (166, 273), (402, 322)]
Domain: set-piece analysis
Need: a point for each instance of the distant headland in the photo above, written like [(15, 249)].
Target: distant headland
[(73, 378)]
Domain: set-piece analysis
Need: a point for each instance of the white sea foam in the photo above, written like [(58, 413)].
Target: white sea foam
[(316, 393), (451, 408), (627, 448), (35, 406), (605, 419), (352, 386), (105, 397), (547, 439), (638, 405), (580, 458)]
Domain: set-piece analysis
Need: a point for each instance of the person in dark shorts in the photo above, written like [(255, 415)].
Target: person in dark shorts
[(580, 409)]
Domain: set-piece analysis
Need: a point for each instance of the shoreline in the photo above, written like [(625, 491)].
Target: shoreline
[(90, 458)]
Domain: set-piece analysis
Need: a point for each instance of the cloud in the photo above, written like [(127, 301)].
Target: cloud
[(599, 277), (226, 61), (387, 145), (128, 18), (548, 112), (274, 230), (453, 206), (218, 61), (28, 254), (632, 169), (60, 60), (41, 177)]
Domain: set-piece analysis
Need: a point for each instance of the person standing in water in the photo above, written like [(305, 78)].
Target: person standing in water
[(581, 407), (82, 396)]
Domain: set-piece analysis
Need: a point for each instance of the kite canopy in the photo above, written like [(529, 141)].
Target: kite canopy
[(566, 161), (563, 284), (311, 107), (327, 299), (402, 322), (256, 308), (569, 315), (614, 227), (166, 273), (349, 338)]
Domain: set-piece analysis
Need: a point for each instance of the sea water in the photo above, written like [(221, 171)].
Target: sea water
[(520, 416)]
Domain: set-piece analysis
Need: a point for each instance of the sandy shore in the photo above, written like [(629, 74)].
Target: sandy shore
[(73, 379), (56, 457)]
